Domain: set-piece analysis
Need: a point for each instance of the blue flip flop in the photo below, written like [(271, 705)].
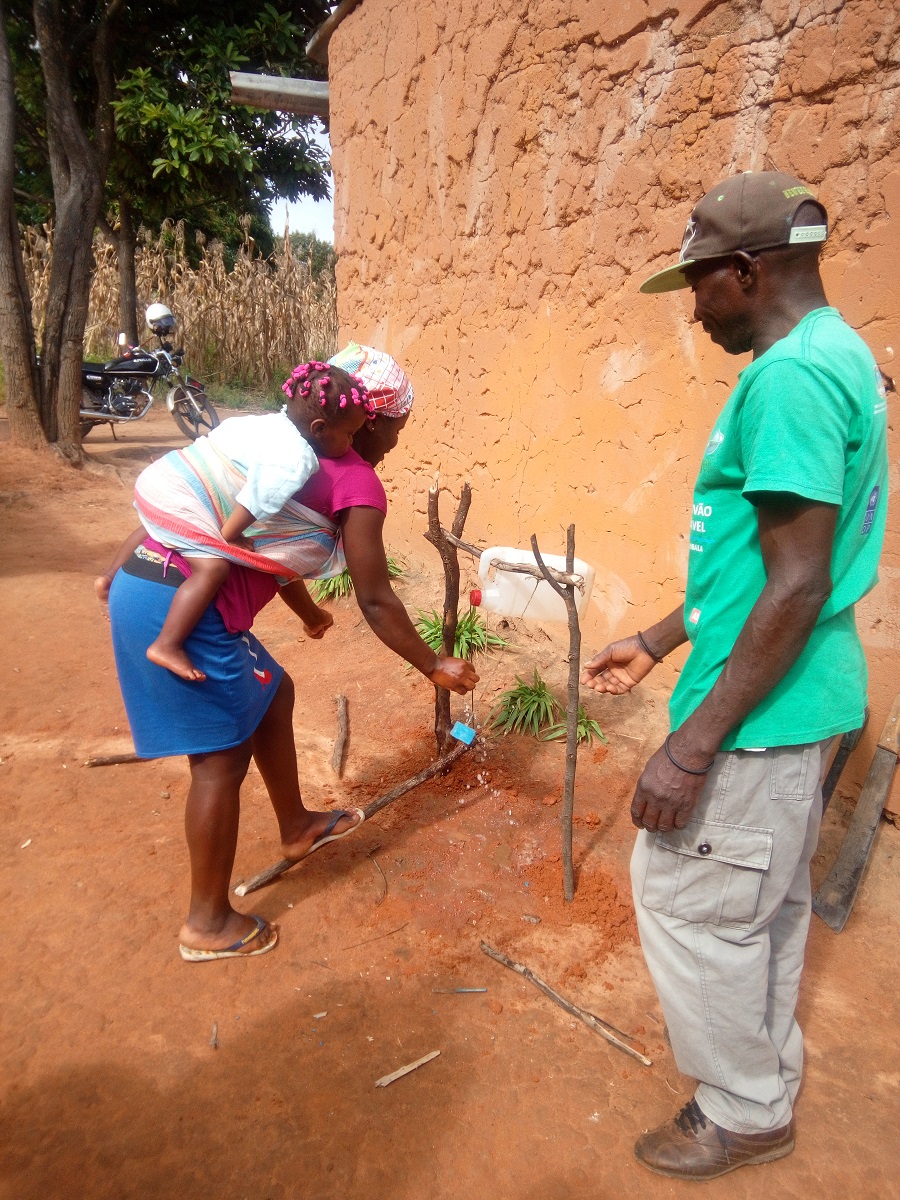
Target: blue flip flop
[(237, 950), (327, 836)]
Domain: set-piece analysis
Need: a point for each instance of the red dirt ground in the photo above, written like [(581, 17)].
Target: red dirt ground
[(112, 1088)]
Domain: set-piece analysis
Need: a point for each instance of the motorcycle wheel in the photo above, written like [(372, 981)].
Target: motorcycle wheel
[(193, 413)]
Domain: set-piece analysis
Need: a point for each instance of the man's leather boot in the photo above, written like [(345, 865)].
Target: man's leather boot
[(691, 1146)]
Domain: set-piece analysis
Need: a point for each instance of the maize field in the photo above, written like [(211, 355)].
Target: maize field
[(246, 326)]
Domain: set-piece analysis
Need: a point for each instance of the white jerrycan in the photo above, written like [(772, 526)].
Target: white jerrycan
[(511, 594)]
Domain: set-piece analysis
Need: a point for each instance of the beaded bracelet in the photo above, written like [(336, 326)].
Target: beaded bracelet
[(675, 763), (646, 648)]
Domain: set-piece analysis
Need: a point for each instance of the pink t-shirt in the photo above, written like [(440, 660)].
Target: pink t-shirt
[(339, 484)]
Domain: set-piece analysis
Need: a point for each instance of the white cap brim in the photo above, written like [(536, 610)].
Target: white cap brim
[(668, 280)]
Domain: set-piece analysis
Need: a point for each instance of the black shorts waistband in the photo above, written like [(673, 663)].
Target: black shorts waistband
[(154, 567)]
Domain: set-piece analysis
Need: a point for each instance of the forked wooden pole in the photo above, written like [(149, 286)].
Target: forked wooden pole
[(450, 560), (567, 592)]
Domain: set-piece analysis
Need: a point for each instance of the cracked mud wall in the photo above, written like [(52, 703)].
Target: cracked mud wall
[(508, 171)]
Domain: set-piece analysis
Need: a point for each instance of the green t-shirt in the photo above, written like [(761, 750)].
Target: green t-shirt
[(808, 417)]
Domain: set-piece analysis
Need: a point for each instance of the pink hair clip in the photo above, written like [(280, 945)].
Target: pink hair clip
[(299, 372), (366, 400), (343, 403)]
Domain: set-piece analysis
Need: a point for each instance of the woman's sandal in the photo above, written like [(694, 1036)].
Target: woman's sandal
[(189, 954), (327, 836)]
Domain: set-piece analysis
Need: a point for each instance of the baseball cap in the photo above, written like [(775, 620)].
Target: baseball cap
[(752, 211)]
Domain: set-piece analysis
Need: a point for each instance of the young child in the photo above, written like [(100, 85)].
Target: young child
[(201, 500)]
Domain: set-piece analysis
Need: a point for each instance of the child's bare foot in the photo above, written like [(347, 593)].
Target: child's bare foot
[(101, 586), (174, 659)]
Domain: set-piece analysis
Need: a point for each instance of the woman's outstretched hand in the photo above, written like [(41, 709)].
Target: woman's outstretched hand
[(618, 667), (455, 674)]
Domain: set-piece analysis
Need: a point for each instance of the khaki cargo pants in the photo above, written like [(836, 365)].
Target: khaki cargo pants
[(723, 909)]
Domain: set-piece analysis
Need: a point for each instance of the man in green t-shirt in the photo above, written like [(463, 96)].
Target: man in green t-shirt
[(786, 530)]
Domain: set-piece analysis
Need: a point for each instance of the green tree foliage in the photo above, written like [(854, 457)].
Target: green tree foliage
[(181, 149), (142, 106)]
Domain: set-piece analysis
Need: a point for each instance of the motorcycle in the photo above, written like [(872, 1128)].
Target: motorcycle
[(122, 389)]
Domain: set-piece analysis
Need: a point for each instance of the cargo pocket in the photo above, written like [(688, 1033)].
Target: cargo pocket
[(793, 776), (709, 872)]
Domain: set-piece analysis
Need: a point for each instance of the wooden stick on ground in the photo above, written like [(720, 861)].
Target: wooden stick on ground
[(420, 1062), (340, 745), (436, 768), (114, 760), (602, 1027)]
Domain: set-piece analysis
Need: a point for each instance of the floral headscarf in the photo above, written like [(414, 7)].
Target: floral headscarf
[(385, 380)]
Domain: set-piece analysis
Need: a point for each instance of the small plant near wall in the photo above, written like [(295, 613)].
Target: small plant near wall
[(526, 708), (339, 586), (588, 729), (472, 635)]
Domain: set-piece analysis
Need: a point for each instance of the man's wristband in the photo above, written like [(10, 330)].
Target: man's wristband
[(681, 767), (646, 648)]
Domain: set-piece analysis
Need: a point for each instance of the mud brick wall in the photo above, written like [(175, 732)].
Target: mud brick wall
[(508, 171)]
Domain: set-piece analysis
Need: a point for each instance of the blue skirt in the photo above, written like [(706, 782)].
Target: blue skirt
[(169, 715)]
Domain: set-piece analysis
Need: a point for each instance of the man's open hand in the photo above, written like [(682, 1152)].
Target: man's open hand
[(618, 667)]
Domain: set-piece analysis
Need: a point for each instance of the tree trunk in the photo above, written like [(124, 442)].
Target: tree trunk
[(126, 239), (17, 347), (567, 593), (78, 168)]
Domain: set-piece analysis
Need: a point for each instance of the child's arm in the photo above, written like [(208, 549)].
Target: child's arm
[(241, 519), (125, 551), (316, 621)]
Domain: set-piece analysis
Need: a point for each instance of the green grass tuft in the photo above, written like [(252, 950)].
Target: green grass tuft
[(588, 729), (339, 586), (526, 708), (472, 635)]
